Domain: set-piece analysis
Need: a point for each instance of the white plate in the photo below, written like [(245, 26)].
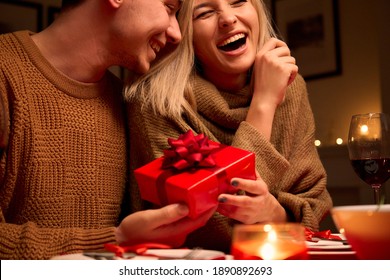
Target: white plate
[(328, 253), (327, 245)]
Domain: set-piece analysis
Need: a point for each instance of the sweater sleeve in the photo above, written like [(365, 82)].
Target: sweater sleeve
[(290, 164)]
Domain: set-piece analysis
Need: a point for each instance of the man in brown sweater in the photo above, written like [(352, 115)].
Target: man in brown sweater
[(63, 175)]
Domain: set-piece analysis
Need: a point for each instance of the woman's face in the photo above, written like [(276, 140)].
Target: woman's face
[(226, 34)]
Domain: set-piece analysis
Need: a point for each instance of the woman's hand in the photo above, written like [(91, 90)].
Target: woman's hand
[(258, 205), (274, 70), (168, 225)]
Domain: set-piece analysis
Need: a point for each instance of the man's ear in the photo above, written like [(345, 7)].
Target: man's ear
[(115, 3)]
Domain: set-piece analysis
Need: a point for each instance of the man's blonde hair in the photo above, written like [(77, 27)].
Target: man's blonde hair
[(167, 87)]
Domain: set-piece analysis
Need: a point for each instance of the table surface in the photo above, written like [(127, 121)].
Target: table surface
[(318, 249), (316, 254)]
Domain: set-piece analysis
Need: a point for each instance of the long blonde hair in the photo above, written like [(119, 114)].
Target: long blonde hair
[(167, 87)]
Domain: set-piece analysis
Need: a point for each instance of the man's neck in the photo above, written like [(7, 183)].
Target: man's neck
[(76, 55)]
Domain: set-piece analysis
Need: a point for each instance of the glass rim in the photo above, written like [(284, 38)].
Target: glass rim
[(370, 114)]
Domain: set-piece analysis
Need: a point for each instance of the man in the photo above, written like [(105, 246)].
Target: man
[(63, 174)]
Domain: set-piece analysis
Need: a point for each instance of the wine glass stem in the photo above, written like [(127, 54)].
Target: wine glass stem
[(377, 193)]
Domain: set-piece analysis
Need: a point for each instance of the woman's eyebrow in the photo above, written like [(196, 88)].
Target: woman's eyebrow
[(204, 4)]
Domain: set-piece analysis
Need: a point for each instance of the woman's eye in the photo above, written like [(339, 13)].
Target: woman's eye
[(204, 14), (239, 2)]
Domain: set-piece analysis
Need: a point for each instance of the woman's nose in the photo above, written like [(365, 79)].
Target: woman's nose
[(227, 18), (173, 31)]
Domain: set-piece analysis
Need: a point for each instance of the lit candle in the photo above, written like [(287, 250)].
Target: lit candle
[(269, 242), (364, 129), (267, 251)]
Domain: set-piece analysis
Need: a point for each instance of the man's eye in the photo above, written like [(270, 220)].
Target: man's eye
[(172, 8)]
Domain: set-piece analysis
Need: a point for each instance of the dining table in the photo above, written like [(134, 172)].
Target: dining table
[(318, 248)]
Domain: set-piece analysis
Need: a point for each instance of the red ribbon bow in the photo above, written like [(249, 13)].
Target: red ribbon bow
[(325, 234), (138, 249), (189, 151)]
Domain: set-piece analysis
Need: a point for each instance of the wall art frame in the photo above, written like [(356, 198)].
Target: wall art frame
[(311, 30)]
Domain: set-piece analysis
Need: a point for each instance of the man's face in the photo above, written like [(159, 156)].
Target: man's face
[(141, 29)]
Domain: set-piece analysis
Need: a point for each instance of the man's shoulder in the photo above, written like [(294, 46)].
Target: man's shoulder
[(12, 49), (10, 45)]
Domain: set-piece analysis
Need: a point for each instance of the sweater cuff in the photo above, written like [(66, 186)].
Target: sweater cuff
[(269, 162)]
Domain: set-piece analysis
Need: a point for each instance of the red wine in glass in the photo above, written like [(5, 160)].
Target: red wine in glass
[(369, 149), (373, 171)]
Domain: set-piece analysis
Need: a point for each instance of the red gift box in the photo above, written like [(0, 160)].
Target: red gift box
[(191, 178)]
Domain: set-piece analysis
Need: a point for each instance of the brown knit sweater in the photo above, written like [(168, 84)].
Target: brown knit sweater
[(289, 164), (62, 178)]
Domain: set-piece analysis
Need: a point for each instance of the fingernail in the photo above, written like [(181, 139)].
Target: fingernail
[(234, 183), (222, 199), (182, 209)]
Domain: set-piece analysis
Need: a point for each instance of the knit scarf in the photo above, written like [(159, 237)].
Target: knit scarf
[(221, 111)]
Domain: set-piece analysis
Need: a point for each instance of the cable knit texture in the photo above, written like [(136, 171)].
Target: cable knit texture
[(289, 163), (62, 177)]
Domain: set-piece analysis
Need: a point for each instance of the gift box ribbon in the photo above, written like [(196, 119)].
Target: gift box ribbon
[(186, 152), (189, 151), (325, 234), (139, 249)]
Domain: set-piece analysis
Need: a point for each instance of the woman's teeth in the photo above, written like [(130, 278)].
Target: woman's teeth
[(232, 39)]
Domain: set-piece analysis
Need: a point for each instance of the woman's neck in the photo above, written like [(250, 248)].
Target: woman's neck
[(227, 82)]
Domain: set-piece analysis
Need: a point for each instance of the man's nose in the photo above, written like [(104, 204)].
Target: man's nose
[(173, 31)]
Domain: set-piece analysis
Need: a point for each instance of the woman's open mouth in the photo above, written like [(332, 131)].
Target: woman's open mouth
[(233, 43)]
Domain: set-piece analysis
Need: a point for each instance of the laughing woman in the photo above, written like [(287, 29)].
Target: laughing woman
[(232, 80)]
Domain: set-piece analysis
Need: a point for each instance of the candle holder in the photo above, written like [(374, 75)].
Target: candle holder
[(269, 242)]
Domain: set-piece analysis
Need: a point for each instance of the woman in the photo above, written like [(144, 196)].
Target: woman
[(238, 84)]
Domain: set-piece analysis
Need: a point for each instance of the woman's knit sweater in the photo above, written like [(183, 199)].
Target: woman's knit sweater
[(62, 177), (289, 163)]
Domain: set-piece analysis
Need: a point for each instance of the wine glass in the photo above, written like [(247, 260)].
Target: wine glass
[(369, 149)]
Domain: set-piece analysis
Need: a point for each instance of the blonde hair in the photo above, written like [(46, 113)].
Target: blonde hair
[(167, 87)]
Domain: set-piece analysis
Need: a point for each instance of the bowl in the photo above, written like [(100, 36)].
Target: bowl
[(367, 229)]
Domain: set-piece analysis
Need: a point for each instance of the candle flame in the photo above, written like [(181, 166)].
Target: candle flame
[(364, 129), (272, 236), (267, 251)]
